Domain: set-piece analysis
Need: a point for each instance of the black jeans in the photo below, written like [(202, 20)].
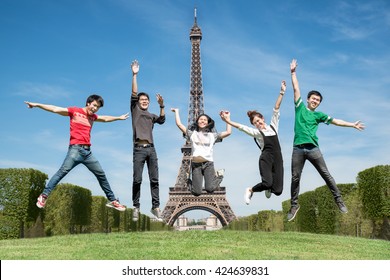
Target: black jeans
[(314, 155), (140, 156)]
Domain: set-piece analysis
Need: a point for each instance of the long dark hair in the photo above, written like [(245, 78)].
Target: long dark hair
[(208, 128)]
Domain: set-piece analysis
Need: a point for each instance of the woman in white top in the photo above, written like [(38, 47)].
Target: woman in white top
[(202, 137), (266, 137)]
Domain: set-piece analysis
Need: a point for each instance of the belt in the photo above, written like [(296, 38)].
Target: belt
[(143, 145), (86, 147), (306, 146)]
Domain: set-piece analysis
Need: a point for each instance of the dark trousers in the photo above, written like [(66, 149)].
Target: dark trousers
[(314, 155), (271, 171), (204, 170), (140, 156)]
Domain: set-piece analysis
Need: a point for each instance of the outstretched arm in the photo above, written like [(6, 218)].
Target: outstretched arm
[(178, 121), (281, 93), (294, 80), (50, 108), (225, 116), (135, 70), (358, 125), (112, 118)]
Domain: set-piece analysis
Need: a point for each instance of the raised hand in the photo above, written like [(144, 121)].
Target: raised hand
[(283, 86), (160, 100), (293, 65), (135, 67), (225, 115)]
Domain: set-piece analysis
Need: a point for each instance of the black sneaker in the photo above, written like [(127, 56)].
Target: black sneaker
[(343, 209), (293, 212)]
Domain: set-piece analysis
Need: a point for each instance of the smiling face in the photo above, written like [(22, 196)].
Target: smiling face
[(143, 102), (258, 122), (313, 102), (203, 122), (92, 107)]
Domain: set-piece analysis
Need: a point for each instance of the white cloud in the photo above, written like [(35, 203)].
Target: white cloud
[(42, 91)]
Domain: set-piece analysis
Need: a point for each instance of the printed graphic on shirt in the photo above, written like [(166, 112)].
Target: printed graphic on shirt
[(82, 119), (202, 139), (80, 126)]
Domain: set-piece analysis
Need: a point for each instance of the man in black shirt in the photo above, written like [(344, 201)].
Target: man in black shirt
[(144, 151)]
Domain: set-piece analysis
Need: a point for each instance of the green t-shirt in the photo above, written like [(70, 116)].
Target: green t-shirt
[(306, 124)]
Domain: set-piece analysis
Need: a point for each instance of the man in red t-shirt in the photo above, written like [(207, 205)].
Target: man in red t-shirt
[(81, 121)]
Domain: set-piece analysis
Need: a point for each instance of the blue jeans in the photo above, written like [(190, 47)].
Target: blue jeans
[(74, 157), (314, 155), (140, 156)]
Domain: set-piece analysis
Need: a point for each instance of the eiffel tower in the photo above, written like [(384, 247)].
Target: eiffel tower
[(180, 198)]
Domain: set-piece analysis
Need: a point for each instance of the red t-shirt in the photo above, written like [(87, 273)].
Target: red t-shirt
[(80, 126)]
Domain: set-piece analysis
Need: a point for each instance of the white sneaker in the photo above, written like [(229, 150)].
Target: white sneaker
[(41, 201), (116, 205), (248, 195), (268, 193), (157, 213), (220, 173), (135, 214)]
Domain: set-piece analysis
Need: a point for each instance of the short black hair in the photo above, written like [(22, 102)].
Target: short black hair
[(314, 92), (95, 97), (144, 94)]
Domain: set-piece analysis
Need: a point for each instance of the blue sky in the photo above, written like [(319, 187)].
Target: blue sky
[(59, 52)]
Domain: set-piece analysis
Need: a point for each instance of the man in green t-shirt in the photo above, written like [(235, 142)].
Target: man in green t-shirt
[(306, 143)]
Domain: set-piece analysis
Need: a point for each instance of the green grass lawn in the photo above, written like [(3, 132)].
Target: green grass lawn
[(196, 245)]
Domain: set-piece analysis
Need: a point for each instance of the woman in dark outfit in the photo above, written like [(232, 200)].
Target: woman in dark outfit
[(266, 137)]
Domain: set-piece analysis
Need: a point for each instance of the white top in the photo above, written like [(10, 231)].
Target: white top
[(268, 131), (202, 144)]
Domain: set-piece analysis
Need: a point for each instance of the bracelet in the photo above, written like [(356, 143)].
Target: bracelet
[(162, 106), (281, 92)]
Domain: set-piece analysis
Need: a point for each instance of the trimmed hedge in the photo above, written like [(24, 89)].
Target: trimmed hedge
[(68, 210), (374, 192), (19, 189)]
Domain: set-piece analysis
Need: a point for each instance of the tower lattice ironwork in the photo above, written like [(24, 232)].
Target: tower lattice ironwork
[(180, 198)]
